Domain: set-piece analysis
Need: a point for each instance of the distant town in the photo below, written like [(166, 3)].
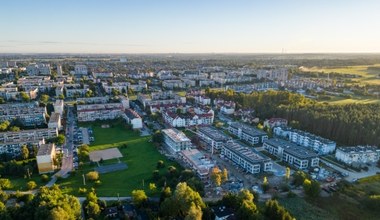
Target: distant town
[(135, 130)]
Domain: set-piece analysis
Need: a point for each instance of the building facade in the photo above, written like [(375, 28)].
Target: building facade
[(176, 140), (247, 133), (358, 155)]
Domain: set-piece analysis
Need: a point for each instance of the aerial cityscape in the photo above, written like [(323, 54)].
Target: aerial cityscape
[(190, 110)]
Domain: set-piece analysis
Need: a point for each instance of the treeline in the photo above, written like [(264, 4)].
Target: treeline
[(351, 124)]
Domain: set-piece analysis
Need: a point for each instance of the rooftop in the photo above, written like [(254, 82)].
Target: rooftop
[(247, 153), (45, 149), (176, 135), (213, 133), (359, 149), (292, 148), (247, 129)]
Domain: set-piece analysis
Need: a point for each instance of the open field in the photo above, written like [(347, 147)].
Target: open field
[(367, 74), (140, 155), (337, 100)]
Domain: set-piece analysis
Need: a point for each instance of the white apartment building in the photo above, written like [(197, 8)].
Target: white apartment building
[(320, 145), (59, 106), (45, 158), (176, 140), (55, 121), (28, 135), (357, 155), (80, 70), (92, 112), (133, 119), (29, 114), (297, 156), (213, 137), (246, 158), (34, 69), (247, 133), (197, 162), (189, 119)]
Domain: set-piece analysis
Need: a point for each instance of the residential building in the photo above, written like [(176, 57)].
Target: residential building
[(80, 70), (357, 155), (102, 75), (28, 114), (34, 69), (133, 119), (92, 112), (188, 119), (320, 145), (94, 100), (176, 140), (214, 137), (203, 100), (275, 122), (59, 106), (59, 70), (251, 161), (247, 133), (160, 98), (197, 161), (173, 84), (55, 121), (45, 158), (297, 156)]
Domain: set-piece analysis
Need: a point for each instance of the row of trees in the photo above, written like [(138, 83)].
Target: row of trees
[(351, 124)]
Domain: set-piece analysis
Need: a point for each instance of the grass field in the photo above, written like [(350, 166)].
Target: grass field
[(368, 74), (140, 155)]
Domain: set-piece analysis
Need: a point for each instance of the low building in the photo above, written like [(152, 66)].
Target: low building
[(247, 133), (246, 158), (45, 158), (358, 155), (213, 137), (176, 140), (188, 119), (133, 119), (55, 121), (275, 122), (80, 70), (197, 161), (297, 156)]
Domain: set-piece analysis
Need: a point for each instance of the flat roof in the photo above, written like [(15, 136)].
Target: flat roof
[(245, 152), (214, 133), (358, 149), (45, 149), (176, 135), (292, 148), (248, 129), (198, 160)]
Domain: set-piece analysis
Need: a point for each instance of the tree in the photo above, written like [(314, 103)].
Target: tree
[(31, 185), (92, 175), (61, 96), (84, 153), (312, 188), (24, 152), (287, 174), (2, 101), (157, 137), (216, 176), (5, 184), (93, 209), (247, 211), (181, 202), (89, 93), (44, 98), (265, 184), (152, 186), (24, 97), (299, 178), (195, 213), (115, 92), (14, 128), (276, 212), (224, 175), (4, 125), (44, 178), (139, 197), (60, 139), (160, 164)]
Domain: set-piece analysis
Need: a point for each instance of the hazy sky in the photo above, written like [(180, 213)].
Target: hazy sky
[(189, 26)]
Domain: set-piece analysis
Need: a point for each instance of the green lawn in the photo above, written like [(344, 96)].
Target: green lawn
[(336, 100), (140, 155), (19, 183), (368, 74)]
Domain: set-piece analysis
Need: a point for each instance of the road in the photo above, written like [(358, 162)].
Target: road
[(67, 149), (353, 175)]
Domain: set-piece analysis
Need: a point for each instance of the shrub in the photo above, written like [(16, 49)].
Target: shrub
[(82, 191), (31, 185), (98, 183), (92, 175)]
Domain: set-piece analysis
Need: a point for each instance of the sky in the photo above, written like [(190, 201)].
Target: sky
[(189, 26)]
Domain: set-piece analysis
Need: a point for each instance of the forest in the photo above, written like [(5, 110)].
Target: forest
[(351, 124)]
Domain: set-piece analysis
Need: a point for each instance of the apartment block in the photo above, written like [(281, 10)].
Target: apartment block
[(133, 119), (45, 158), (28, 114), (55, 121), (197, 161), (213, 137), (246, 158), (358, 155), (247, 133), (320, 145), (297, 156), (176, 140)]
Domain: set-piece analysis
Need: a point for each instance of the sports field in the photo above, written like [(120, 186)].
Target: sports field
[(139, 154)]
